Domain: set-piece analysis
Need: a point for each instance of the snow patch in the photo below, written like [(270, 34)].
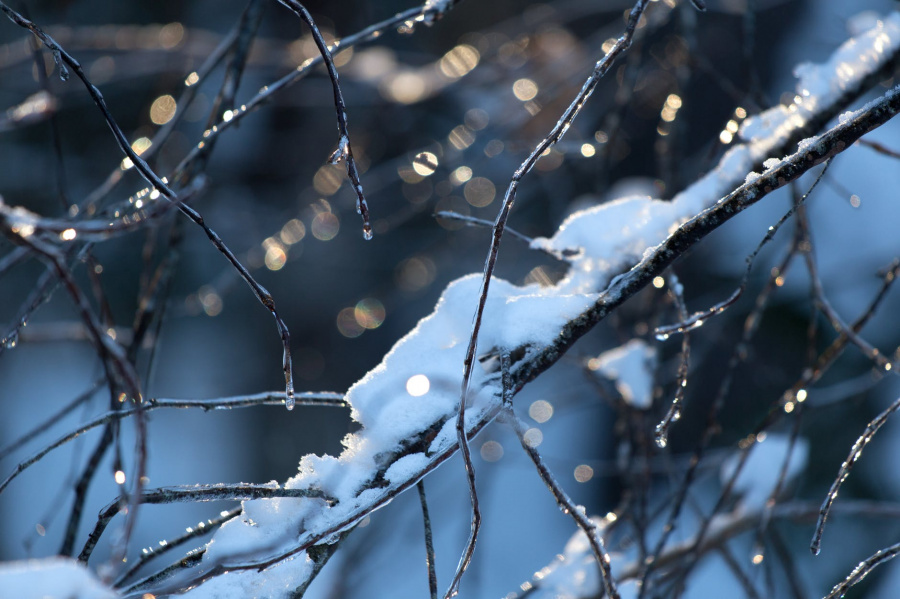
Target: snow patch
[(822, 84), (51, 577), (631, 366), (760, 474)]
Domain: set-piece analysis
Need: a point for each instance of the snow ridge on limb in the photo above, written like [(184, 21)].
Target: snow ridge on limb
[(407, 403)]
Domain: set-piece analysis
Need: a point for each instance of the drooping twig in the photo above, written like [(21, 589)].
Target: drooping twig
[(344, 151), (555, 135), (265, 298), (590, 528), (661, 434), (737, 356), (803, 244), (271, 91)]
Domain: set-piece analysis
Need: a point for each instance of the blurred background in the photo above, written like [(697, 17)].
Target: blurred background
[(440, 117)]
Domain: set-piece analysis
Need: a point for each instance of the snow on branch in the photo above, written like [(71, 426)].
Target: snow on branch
[(406, 405)]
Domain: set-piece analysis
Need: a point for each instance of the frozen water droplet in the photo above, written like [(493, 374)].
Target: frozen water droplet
[(289, 400), (11, 341), (662, 436), (367, 232), (662, 336)]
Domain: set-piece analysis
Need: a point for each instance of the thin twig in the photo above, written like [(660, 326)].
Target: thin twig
[(42, 426), (555, 135), (661, 434), (241, 401), (151, 553), (429, 542), (864, 569), (265, 298), (844, 472), (880, 148), (590, 528), (73, 522), (344, 151), (218, 492), (699, 318)]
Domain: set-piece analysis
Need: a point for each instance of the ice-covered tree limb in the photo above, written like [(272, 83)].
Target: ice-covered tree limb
[(407, 404), (576, 562)]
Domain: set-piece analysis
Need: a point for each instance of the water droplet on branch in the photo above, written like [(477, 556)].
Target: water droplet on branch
[(12, 340)]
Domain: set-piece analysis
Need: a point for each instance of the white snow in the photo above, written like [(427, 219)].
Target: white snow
[(572, 574), (631, 366), (609, 240), (821, 84), (51, 578), (278, 581), (771, 163)]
